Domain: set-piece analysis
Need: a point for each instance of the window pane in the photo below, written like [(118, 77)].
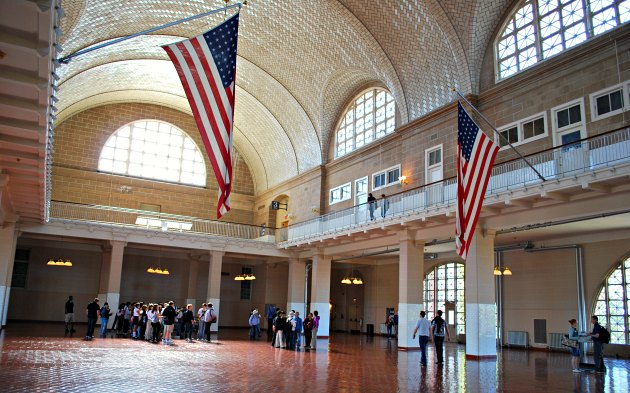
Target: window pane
[(151, 150)]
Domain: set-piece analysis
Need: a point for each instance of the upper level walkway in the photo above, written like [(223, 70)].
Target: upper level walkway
[(600, 163)]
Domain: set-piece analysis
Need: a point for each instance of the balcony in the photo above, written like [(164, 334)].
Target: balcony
[(607, 155), (601, 154)]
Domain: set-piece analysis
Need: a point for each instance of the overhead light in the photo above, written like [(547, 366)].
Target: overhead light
[(346, 280), (55, 76), (59, 262), (505, 272), (150, 270), (403, 180), (239, 277), (244, 276)]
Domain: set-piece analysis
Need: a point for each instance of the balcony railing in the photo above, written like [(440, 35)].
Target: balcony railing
[(568, 160), (584, 156), (142, 219)]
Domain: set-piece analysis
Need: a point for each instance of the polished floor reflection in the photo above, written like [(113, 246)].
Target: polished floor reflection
[(39, 358)]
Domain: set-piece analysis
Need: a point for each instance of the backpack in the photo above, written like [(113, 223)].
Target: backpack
[(604, 335), (213, 316)]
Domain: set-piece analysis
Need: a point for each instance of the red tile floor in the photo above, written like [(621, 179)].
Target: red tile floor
[(37, 358)]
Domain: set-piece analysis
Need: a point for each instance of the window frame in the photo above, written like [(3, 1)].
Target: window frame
[(521, 132), (427, 153), (356, 190), (607, 91), (603, 288), (386, 173), (341, 187), (558, 132), (351, 107)]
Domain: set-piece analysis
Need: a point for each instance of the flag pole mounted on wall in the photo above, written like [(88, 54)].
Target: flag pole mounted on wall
[(498, 133), (66, 59)]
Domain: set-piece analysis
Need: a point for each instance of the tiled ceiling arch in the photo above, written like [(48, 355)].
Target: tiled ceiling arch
[(299, 63)]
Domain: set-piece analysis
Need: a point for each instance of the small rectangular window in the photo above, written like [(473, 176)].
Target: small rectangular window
[(533, 128), (511, 135), (341, 193), (435, 157), (20, 268), (393, 175), (607, 102), (379, 180)]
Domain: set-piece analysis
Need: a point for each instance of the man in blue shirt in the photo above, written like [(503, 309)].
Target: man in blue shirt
[(299, 325), (271, 314)]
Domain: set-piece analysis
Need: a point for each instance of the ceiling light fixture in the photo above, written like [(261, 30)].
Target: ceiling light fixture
[(59, 262), (505, 272), (245, 277)]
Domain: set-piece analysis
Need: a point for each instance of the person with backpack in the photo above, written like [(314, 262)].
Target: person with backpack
[(439, 330), (600, 336)]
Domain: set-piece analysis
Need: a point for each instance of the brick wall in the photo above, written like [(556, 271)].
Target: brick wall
[(78, 144)]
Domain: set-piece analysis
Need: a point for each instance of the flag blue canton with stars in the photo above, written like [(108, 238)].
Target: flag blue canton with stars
[(466, 131), (222, 43)]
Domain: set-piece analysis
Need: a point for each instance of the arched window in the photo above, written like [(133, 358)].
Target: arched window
[(444, 290), (153, 150), (540, 29), (612, 306), (371, 116)]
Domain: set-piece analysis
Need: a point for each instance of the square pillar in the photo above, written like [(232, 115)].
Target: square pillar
[(320, 292), (410, 288), (193, 273), (480, 297), (214, 285), (111, 275), (8, 241), (295, 294)]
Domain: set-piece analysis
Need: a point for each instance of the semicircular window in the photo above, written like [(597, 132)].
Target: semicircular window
[(540, 29), (612, 304), (371, 116), (155, 150)]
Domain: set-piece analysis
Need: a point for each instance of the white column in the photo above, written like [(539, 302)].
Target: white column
[(480, 302), (111, 275), (214, 285), (8, 240), (320, 292), (193, 273), (295, 294), (410, 287)]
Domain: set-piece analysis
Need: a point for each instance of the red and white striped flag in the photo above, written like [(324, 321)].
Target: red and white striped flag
[(206, 66), (474, 167)]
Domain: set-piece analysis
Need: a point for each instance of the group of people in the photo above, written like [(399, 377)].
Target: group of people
[(373, 204), (597, 335), (287, 330), (151, 322), (437, 329)]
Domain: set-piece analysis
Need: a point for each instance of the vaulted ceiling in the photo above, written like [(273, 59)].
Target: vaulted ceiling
[(299, 64)]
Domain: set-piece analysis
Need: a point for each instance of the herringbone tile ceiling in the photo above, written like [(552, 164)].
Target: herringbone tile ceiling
[(300, 63)]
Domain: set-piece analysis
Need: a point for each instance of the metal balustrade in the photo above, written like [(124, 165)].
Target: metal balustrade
[(570, 160), (141, 219)]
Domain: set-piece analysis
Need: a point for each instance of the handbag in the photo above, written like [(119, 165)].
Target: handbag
[(567, 342)]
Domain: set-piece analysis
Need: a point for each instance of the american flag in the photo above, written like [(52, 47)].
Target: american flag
[(474, 166), (206, 65)]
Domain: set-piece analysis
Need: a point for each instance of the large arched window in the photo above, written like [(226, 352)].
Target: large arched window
[(371, 116), (612, 306), (444, 290), (540, 29), (153, 150)]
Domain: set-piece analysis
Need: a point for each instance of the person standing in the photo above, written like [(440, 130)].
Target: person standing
[(598, 345), (271, 314), (105, 314), (202, 323), (384, 205), (390, 325), (439, 330), (168, 318), (372, 205), (423, 328), (92, 312), (188, 318), (299, 325), (254, 324), (210, 318), (395, 324), (315, 329), (575, 352), (69, 315), (308, 330)]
